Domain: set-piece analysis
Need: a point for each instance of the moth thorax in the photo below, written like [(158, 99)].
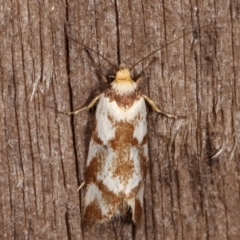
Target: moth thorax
[(123, 83)]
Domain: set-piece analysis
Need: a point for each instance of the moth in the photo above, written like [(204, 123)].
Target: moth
[(118, 151)]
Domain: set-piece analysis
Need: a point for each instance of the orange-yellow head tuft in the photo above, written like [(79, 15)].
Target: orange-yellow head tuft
[(123, 83)]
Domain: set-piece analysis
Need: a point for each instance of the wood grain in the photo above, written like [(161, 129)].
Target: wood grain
[(192, 188)]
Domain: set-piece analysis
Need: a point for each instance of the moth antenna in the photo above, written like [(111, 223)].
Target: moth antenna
[(142, 73), (98, 70), (92, 50), (173, 41)]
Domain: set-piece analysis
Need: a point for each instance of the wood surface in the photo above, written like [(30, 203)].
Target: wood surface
[(192, 189)]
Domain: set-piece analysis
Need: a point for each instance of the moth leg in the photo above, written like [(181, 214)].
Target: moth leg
[(155, 108), (79, 188), (90, 105)]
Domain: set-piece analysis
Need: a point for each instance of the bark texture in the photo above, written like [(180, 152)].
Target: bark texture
[(193, 183)]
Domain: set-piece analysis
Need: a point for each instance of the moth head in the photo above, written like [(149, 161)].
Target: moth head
[(123, 74), (123, 82)]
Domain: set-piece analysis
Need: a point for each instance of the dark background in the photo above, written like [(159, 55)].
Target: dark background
[(192, 189)]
